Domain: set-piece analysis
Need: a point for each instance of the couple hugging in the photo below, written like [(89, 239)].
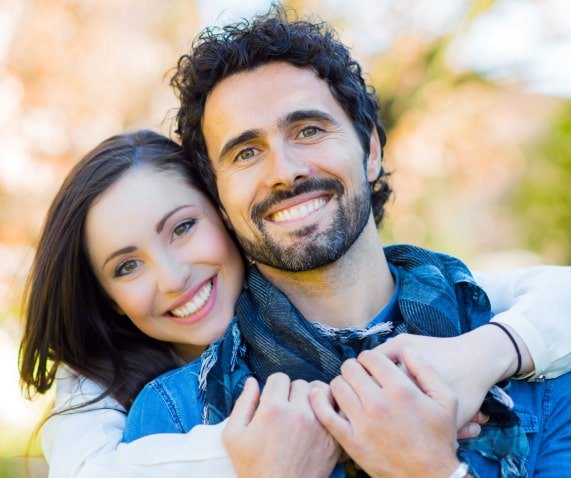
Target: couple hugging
[(241, 277)]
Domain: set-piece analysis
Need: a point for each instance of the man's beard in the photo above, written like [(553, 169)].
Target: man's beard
[(310, 251)]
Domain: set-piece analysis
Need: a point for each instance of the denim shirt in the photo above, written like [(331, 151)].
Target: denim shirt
[(171, 404)]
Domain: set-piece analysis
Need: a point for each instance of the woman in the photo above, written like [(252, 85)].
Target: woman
[(150, 294), (134, 275)]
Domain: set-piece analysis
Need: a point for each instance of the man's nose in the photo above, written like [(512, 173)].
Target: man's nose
[(285, 166)]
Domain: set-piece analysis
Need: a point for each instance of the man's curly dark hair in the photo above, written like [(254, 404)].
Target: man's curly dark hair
[(218, 53)]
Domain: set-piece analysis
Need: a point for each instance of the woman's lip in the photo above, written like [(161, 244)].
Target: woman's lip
[(189, 295), (203, 311)]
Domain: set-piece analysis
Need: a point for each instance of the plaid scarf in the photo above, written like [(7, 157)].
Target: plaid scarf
[(435, 296)]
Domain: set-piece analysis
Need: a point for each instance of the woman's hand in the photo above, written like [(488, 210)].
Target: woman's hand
[(392, 425), (469, 364)]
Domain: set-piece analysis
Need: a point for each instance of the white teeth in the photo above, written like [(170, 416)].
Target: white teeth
[(197, 302), (299, 211)]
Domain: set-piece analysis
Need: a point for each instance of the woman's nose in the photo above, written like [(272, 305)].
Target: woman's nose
[(174, 276)]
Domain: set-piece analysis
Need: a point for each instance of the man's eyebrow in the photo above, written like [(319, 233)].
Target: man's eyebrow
[(236, 140), (294, 116), (304, 115)]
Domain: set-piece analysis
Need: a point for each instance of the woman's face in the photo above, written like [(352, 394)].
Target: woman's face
[(161, 252)]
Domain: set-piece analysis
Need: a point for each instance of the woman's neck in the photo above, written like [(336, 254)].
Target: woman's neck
[(188, 352)]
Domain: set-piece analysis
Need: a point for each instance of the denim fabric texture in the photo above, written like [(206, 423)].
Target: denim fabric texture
[(173, 402)]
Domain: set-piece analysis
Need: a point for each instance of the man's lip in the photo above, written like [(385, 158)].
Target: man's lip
[(188, 296), (296, 201)]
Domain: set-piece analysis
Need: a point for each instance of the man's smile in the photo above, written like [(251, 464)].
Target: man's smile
[(301, 210)]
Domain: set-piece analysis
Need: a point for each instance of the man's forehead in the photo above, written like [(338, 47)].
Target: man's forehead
[(249, 87), (253, 98)]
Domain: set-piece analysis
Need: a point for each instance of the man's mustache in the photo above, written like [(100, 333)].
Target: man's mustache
[(328, 185)]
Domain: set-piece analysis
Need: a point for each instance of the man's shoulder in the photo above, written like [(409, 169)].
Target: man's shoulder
[(168, 404)]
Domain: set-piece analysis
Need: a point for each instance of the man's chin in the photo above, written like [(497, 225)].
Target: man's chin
[(283, 235), (299, 257)]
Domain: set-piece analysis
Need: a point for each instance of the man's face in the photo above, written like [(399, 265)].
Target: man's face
[(290, 170)]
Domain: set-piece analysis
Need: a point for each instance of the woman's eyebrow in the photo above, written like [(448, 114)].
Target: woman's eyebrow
[(159, 227), (124, 250), (161, 224)]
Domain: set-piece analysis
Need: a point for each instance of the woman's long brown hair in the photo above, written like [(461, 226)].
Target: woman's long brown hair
[(68, 317)]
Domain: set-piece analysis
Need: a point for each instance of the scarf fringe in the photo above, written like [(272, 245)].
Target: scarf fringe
[(208, 360), (238, 347), (502, 397)]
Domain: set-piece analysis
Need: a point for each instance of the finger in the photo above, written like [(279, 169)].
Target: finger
[(276, 389), (393, 348), (298, 393), (359, 379), (470, 430), (336, 425), (385, 371), (481, 418), (244, 408), (347, 400), (318, 384), (428, 379)]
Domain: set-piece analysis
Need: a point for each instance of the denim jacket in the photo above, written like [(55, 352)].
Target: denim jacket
[(172, 403)]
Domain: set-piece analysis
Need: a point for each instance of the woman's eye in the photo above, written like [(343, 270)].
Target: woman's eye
[(126, 267), (182, 228), (246, 154), (308, 132)]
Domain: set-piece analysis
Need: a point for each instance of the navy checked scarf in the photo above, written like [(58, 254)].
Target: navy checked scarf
[(437, 296)]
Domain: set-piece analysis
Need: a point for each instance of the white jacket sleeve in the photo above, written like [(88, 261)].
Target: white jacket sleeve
[(535, 303), (86, 443)]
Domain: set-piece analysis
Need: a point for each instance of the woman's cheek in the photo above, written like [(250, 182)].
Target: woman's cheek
[(136, 299)]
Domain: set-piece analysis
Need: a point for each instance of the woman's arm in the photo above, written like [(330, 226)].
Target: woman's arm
[(85, 443), (536, 304)]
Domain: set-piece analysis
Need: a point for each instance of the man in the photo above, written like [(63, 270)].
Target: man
[(287, 137)]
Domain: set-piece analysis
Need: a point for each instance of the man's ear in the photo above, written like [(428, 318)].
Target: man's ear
[(375, 156), (225, 218)]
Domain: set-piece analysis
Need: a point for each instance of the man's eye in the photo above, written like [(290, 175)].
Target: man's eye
[(182, 228), (308, 132), (246, 154), (127, 267)]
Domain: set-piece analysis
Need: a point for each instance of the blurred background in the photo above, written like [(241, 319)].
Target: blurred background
[(475, 95)]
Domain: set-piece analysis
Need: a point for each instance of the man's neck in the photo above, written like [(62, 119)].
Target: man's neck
[(347, 293)]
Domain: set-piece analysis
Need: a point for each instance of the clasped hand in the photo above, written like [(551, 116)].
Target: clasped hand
[(390, 422)]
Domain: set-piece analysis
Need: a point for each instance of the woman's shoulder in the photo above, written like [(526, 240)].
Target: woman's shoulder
[(183, 379), (170, 403), (75, 390)]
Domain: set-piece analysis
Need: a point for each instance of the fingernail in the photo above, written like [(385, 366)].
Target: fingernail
[(474, 429), (483, 418)]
